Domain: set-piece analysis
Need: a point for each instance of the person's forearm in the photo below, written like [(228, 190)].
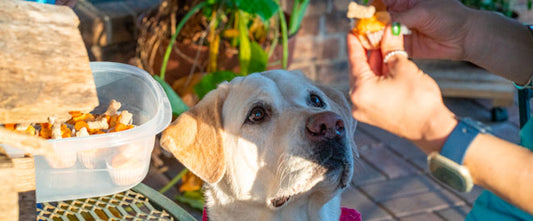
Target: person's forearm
[(501, 45), (503, 168)]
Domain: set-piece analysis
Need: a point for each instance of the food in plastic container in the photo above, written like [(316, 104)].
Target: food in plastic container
[(126, 166), (150, 110)]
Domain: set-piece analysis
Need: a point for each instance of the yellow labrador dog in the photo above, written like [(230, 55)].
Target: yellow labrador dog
[(270, 146)]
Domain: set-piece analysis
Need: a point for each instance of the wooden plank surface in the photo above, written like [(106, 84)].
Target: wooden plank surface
[(17, 187), (29, 144), (44, 66), (462, 79), (9, 208), (24, 174)]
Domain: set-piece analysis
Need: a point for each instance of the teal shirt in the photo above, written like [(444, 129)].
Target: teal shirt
[(491, 207)]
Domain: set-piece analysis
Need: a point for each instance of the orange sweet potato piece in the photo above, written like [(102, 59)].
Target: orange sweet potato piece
[(121, 127), (80, 124), (65, 131), (10, 126), (45, 132)]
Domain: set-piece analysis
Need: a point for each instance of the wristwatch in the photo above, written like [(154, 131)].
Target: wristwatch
[(447, 166)]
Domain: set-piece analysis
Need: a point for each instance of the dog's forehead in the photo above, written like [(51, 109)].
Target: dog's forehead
[(275, 87), (278, 89)]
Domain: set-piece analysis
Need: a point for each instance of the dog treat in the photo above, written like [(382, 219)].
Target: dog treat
[(98, 125), (79, 125), (64, 159), (24, 128), (56, 131), (82, 132), (128, 173), (92, 158), (360, 11), (112, 108), (125, 167), (369, 23), (125, 117)]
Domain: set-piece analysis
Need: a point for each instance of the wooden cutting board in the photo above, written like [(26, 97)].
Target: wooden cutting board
[(44, 66)]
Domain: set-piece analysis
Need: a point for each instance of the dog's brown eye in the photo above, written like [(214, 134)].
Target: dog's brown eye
[(316, 101), (257, 115)]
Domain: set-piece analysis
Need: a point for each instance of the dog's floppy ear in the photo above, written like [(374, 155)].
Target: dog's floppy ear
[(195, 137), (342, 106)]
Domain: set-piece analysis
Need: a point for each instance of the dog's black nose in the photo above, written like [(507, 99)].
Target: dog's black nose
[(324, 126)]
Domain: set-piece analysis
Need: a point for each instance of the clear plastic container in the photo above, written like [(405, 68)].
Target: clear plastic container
[(108, 163)]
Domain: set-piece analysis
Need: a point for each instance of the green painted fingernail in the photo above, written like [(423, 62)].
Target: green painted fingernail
[(396, 28)]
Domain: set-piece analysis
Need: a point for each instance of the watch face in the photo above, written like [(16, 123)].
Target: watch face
[(450, 173), (449, 177)]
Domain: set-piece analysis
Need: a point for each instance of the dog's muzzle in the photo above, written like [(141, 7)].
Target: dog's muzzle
[(327, 135)]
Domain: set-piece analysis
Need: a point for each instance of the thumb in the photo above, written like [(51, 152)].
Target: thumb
[(359, 67)]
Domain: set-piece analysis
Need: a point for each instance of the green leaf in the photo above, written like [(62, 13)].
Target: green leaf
[(175, 35), (259, 59), (176, 103), (196, 195), (207, 11), (210, 82), (193, 198), (244, 44), (284, 41), (298, 12), (174, 180), (264, 8)]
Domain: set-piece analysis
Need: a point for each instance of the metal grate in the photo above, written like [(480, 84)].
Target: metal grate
[(127, 205)]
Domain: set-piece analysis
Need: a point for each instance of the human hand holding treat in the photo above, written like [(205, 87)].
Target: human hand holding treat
[(370, 22), (392, 93)]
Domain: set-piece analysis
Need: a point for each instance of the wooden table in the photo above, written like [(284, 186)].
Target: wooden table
[(463, 79), (44, 72)]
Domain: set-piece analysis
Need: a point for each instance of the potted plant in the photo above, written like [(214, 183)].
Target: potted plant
[(216, 40), (195, 44)]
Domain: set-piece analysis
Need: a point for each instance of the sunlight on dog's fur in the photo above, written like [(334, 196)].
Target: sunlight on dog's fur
[(270, 146)]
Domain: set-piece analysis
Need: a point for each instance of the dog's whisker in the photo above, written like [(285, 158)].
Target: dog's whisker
[(284, 173)]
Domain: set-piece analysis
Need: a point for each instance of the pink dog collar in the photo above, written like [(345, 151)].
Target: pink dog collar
[(347, 214)]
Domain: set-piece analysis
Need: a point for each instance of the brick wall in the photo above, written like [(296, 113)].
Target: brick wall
[(320, 50)]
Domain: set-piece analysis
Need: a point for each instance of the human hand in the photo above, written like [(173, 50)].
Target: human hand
[(439, 27), (69, 3), (397, 96)]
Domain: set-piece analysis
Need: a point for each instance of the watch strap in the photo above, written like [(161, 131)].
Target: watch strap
[(458, 141)]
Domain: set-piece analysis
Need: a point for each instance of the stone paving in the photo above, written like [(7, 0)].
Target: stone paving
[(391, 180)]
